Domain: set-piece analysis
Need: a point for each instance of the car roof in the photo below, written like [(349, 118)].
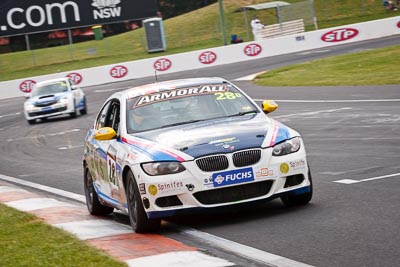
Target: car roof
[(64, 79), (171, 84)]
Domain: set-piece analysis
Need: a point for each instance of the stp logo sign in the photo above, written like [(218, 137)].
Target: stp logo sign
[(207, 57), (27, 86), (75, 77), (339, 35), (252, 50), (162, 64), (398, 24), (118, 71)]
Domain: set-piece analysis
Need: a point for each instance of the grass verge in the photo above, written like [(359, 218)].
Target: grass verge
[(374, 67), (26, 241)]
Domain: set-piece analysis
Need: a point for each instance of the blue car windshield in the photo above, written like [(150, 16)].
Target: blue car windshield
[(179, 106), (50, 89)]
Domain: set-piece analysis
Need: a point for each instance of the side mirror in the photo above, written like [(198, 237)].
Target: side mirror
[(105, 133), (269, 106)]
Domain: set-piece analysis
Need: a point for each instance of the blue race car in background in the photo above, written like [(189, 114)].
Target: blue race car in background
[(53, 98), (168, 147)]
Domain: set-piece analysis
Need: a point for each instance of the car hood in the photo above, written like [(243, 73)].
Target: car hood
[(46, 99), (221, 135)]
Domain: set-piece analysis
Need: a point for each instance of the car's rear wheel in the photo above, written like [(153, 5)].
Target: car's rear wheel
[(92, 201), (291, 200), (84, 110), (137, 216), (31, 121)]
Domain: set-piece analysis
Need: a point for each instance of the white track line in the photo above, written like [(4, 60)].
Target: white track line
[(9, 115), (350, 181)]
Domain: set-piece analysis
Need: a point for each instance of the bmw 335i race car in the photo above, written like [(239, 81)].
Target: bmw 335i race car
[(54, 97), (163, 148)]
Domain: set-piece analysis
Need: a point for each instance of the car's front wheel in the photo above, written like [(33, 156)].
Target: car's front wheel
[(31, 121), (291, 200), (92, 201), (137, 216)]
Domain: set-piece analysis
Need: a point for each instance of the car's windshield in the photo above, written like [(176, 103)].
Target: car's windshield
[(186, 105), (49, 89)]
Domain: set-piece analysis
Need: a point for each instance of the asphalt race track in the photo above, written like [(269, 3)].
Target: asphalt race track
[(353, 144)]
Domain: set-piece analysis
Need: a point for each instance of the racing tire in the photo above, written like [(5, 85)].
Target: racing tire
[(31, 121), (290, 200), (137, 216), (92, 200), (84, 110)]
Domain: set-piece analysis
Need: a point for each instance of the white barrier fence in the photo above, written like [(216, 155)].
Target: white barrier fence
[(214, 56)]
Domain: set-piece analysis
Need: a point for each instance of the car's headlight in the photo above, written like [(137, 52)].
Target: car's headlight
[(29, 106), (286, 147), (161, 168), (64, 100)]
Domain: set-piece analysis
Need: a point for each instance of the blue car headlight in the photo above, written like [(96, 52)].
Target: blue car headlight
[(162, 168), (286, 147)]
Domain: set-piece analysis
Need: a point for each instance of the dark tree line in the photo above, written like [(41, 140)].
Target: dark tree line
[(172, 8)]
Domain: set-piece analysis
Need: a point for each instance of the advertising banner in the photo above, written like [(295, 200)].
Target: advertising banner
[(26, 16)]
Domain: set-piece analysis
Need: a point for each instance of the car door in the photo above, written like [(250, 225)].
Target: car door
[(107, 151)]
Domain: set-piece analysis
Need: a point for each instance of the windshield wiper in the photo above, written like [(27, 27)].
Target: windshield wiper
[(180, 123), (243, 113)]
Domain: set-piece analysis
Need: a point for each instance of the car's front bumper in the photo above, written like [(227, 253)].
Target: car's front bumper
[(193, 189), (49, 111)]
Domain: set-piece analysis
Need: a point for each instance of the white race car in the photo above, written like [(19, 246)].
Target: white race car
[(168, 147), (54, 97)]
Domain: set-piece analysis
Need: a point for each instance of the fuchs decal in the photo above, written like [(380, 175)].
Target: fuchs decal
[(339, 35)]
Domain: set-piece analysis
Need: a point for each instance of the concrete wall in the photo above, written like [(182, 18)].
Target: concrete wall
[(214, 56)]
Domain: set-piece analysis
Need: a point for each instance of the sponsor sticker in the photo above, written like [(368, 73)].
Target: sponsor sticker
[(233, 177), (118, 71), (339, 35), (284, 168), (75, 77), (297, 164), (162, 64), (178, 93), (265, 172), (170, 187), (106, 9), (252, 50), (207, 57), (190, 187), (152, 189), (142, 189), (27, 86)]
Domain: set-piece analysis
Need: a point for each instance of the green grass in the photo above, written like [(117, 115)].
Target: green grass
[(203, 31), (26, 241), (374, 67)]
